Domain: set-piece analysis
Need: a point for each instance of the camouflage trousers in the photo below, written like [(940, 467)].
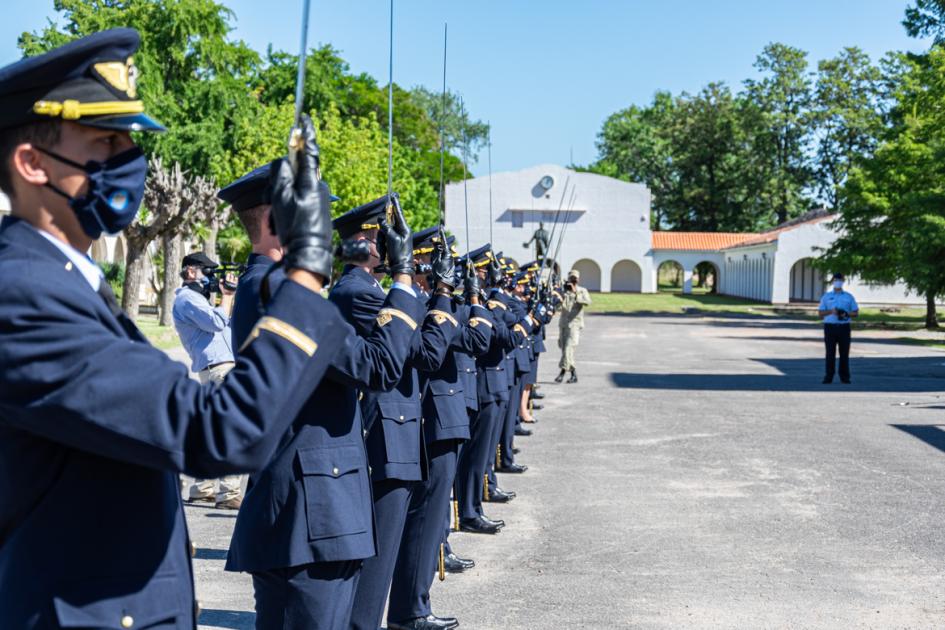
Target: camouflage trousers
[(230, 486), (568, 339)]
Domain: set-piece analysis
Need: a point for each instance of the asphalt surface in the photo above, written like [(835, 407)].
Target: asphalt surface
[(700, 476)]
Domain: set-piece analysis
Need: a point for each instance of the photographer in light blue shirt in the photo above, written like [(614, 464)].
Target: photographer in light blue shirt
[(204, 331), (838, 308)]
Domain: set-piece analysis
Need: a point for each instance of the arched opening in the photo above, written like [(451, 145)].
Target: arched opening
[(590, 274), (705, 277), (807, 282), (626, 276), (670, 276)]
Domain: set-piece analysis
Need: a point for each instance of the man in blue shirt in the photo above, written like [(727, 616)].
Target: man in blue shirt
[(838, 308), (204, 331)]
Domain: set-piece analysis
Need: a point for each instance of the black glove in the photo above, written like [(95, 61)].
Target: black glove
[(398, 241), (495, 273), (301, 209), (470, 281), (442, 263)]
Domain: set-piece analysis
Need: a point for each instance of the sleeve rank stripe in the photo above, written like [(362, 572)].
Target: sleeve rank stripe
[(446, 316), (287, 331), (520, 329), (496, 303), (386, 314), (480, 320)]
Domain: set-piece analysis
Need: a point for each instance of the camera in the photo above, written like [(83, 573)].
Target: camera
[(220, 272), (842, 314)]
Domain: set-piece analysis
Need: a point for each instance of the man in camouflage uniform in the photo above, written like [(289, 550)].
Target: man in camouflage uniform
[(574, 300)]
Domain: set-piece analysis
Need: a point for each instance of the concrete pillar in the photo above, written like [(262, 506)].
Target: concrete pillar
[(687, 280)]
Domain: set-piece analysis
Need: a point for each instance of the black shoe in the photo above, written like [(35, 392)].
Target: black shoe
[(560, 376), (827, 380), (537, 407), (537, 395), (478, 525), (455, 564), (515, 451), (512, 468), (498, 496), (497, 522), (511, 493), (573, 378), (430, 622), (522, 431)]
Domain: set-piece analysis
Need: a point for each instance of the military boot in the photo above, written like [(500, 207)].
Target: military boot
[(560, 376), (573, 378)]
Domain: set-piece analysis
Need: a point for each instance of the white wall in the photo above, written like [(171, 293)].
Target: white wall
[(609, 220), (807, 241), (688, 260)]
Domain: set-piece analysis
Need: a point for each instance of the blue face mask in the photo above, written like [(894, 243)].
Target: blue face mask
[(116, 187)]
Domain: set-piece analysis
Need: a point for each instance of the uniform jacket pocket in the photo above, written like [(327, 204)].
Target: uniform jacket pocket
[(334, 480), (401, 421), (96, 603)]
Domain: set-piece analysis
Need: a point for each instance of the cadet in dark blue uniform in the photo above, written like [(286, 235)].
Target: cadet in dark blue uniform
[(493, 393), (305, 555), (90, 414), (445, 426), (392, 419)]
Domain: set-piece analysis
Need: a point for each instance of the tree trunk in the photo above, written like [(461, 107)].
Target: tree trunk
[(134, 273), (172, 267), (931, 317), (210, 245)]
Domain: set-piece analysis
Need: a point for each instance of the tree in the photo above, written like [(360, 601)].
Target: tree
[(710, 157), (926, 19), (634, 145), (892, 219), (848, 114), (781, 130)]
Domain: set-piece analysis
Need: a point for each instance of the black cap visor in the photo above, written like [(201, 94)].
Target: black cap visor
[(123, 122)]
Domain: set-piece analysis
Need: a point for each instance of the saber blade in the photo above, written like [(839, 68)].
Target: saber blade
[(295, 135)]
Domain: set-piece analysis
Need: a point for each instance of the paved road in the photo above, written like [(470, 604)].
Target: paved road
[(700, 476)]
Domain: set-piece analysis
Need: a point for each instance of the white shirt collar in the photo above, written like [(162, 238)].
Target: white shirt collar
[(89, 270)]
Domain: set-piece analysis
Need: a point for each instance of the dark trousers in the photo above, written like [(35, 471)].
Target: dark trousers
[(423, 534), (391, 498), (511, 421), (314, 596), (837, 336), (475, 456), (498, 427)]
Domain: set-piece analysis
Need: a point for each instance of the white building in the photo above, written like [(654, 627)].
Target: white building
[(607, 236)]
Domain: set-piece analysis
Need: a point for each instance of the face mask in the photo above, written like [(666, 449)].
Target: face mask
[(838, 284), (116, 187)]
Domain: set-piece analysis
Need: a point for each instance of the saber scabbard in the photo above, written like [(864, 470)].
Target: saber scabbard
[(441, 565)]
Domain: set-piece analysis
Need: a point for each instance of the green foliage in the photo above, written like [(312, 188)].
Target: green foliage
[(115, 275), (893, 205), (926, 19)]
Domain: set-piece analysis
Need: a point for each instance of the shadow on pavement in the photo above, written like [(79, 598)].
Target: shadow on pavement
[(857, 340), (234, 619), (931, 434), (210, 554), (218, 515), (881, 374)]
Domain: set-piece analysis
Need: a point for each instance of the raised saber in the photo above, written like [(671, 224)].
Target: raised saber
[(443, 135), (295, 135), (390, 119)]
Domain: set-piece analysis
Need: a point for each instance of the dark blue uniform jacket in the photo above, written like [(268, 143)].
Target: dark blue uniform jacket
[(493, 377), (95, 425), (476, 315), (312, 503), (444, 400), (393, 418)]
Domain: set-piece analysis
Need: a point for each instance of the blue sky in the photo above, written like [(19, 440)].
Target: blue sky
[(546, 74)]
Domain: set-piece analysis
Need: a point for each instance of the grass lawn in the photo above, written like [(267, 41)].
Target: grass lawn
[(163, 337), (674, 303)]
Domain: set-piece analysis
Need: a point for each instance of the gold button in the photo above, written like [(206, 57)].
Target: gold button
[(335, 471), (370, 470), (451, 391), (127, 621), (364, 433), (401, 417)]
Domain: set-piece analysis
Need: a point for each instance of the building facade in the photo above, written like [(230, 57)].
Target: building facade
[(606, 235)]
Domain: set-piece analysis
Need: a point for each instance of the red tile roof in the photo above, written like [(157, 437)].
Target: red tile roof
[(697, 241), (716, 241)]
